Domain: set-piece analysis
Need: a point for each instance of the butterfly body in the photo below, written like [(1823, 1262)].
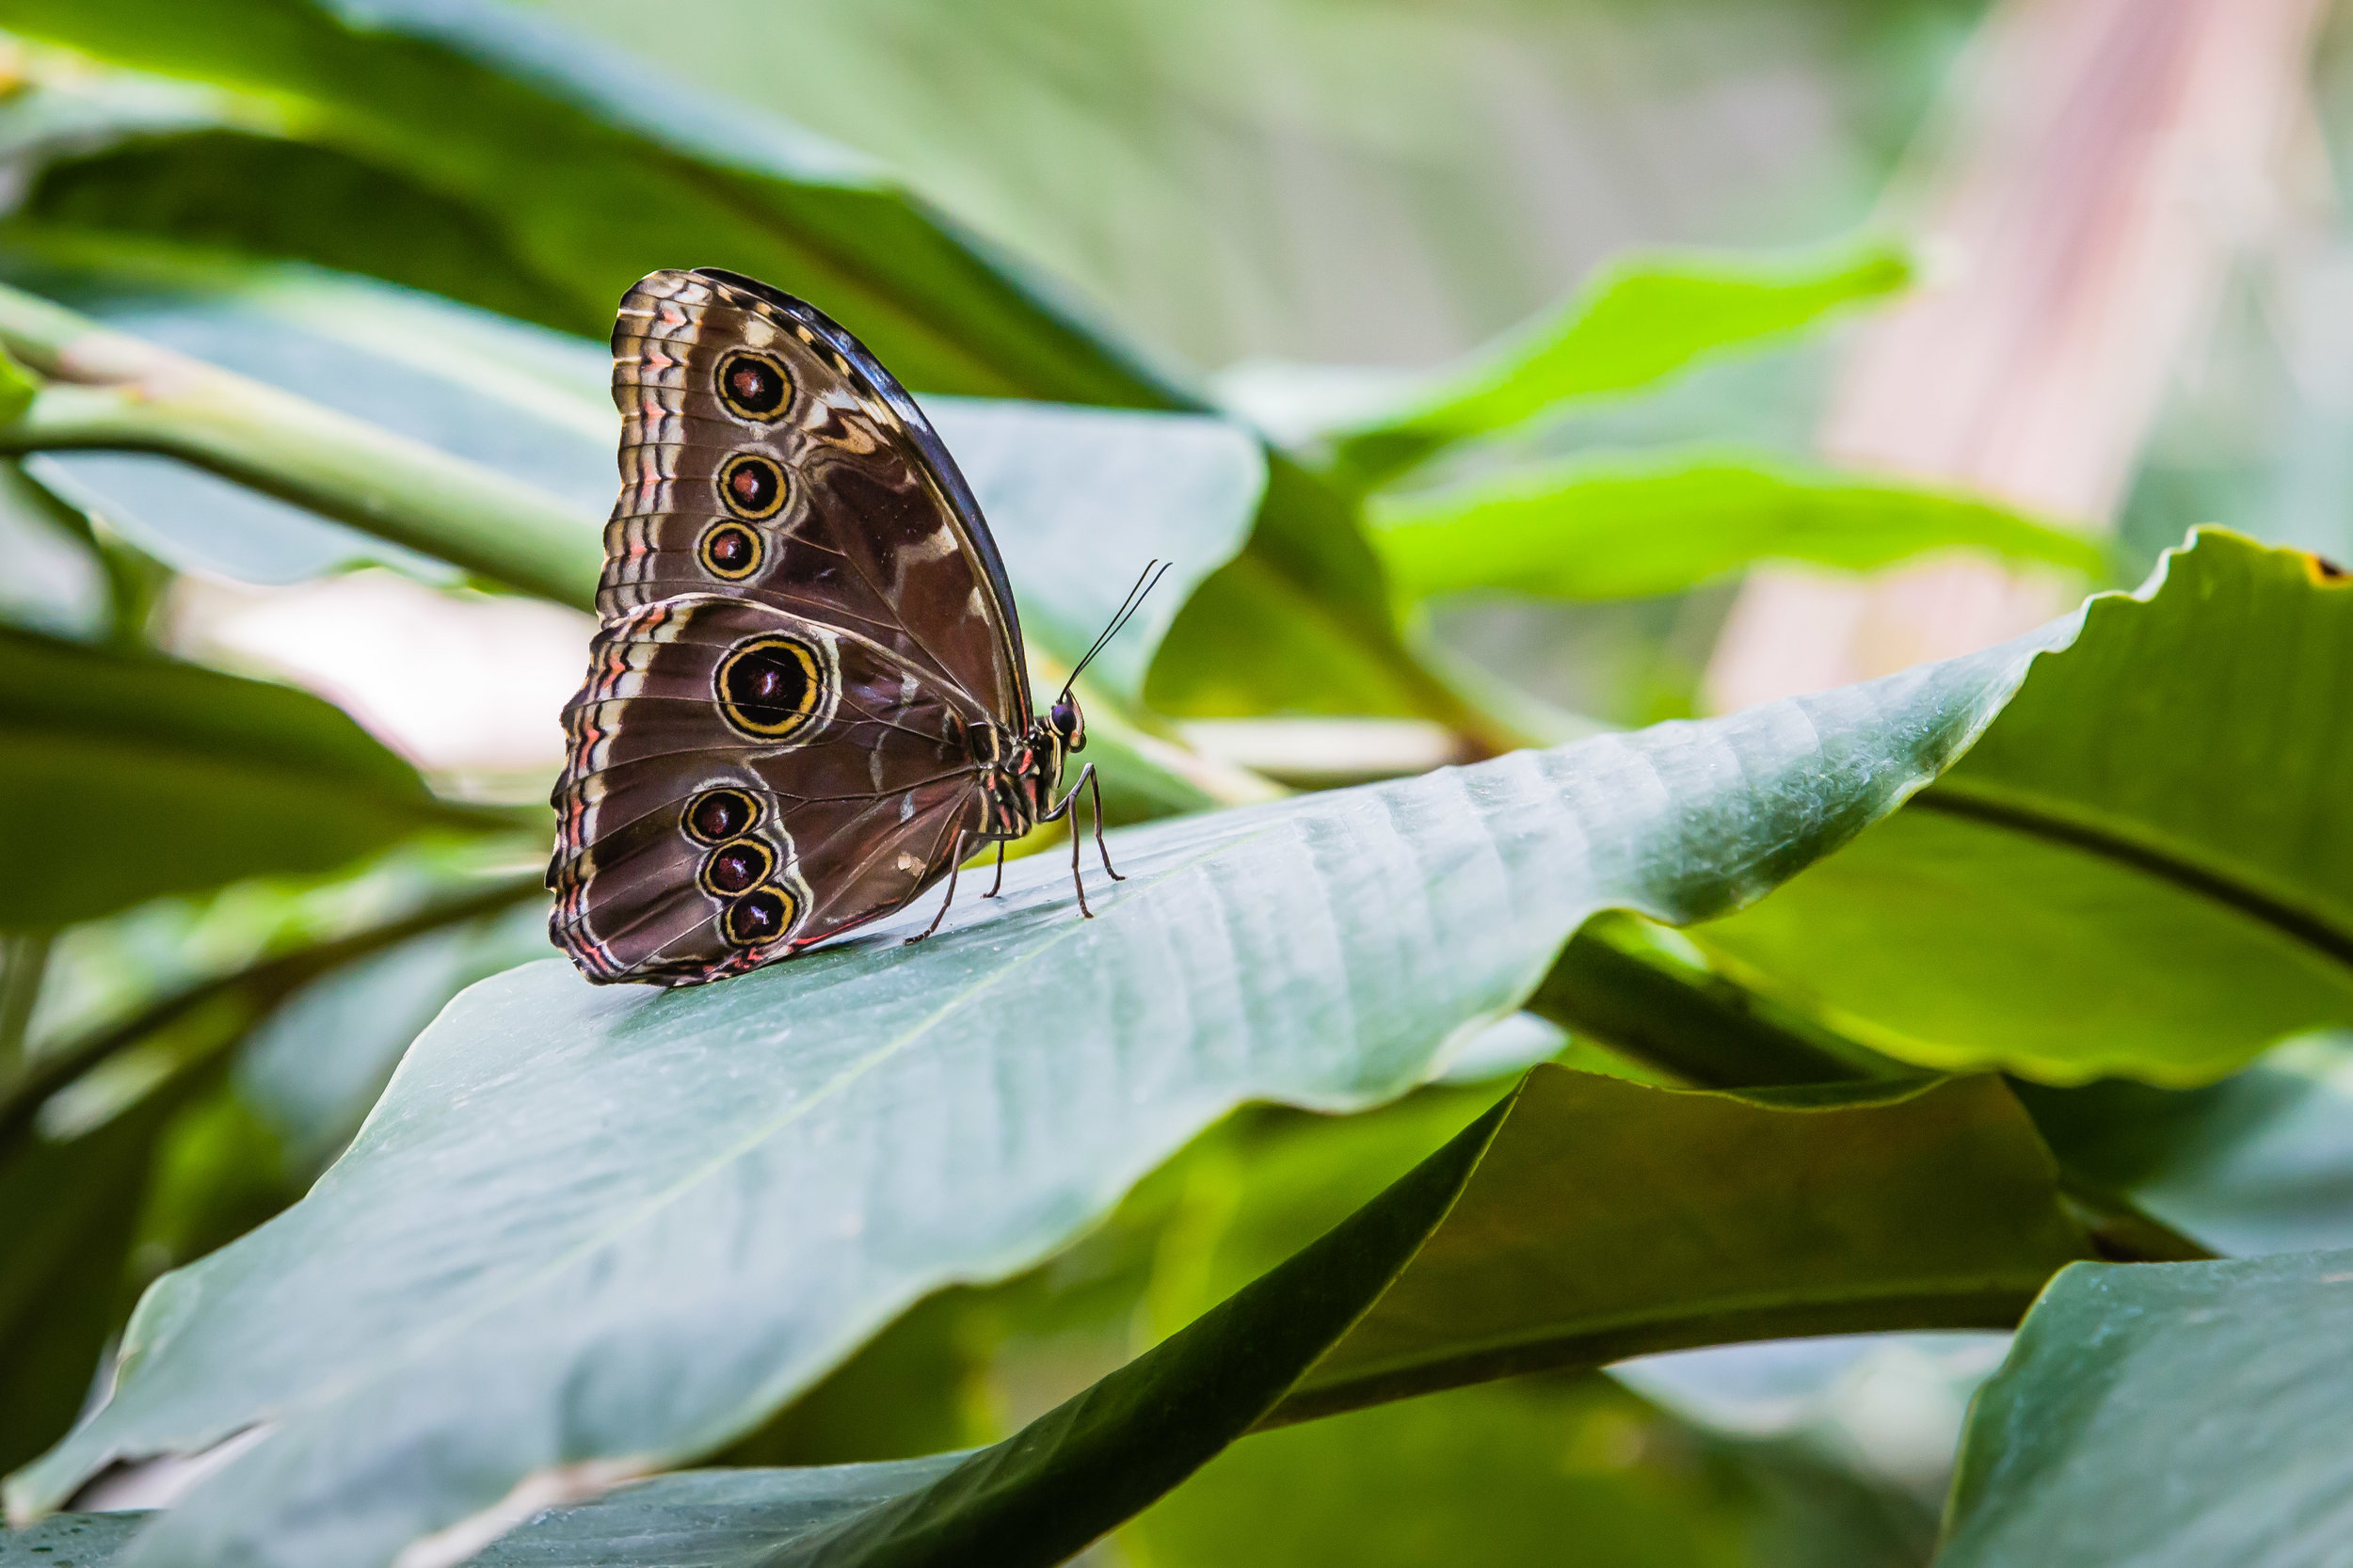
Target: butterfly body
[(809, 700)]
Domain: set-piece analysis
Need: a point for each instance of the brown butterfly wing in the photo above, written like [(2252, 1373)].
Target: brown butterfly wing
[(746, 781), (766, 454), (787, 517)]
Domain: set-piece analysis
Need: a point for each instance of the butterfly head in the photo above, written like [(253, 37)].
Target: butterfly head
[(1069, 723)]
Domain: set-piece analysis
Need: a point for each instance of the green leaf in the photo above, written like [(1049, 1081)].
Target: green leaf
[(590, 170), (1606, 1219), (2256, 1163), (1621, 527), (1506, 1474), (297, 200), (2145, 866), (1944, 1187), (18, 388), (73, 1204), (1639, 320), (710, 1196), (2172, 1415), (248, 778)]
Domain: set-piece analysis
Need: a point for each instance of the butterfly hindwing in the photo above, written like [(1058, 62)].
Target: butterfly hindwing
[(744, 781)]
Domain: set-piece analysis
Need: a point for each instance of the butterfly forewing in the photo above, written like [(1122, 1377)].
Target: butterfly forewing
[(764, 453), (807, 653)]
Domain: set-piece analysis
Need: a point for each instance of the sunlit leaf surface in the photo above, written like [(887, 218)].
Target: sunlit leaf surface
[(1621, 528), (697, 1201), (2146, 867)]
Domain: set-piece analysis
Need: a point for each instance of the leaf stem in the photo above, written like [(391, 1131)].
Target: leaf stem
[(108, 390), (24, 962)]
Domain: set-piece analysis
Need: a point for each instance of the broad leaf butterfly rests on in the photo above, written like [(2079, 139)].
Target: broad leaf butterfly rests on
[(809, 699)]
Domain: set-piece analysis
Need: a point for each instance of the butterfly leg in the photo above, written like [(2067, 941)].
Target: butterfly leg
[(1076, 880), (955, 864), (1001, 871), (1088, 777)]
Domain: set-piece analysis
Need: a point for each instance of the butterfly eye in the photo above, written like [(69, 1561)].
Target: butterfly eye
[(1069, 723)]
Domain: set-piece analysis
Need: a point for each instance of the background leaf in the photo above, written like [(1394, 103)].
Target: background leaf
[(259, 780), (2163, 1414), (1636, 321), (590, 171), (2144, 869), (1620, 527)]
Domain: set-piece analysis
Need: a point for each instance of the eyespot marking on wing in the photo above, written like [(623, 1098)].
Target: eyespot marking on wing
[(753, 385), (773, 686), (752, 487), (729, 552)]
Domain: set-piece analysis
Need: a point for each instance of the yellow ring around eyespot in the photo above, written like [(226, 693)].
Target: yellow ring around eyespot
[(767, 868), (812, 687), (784, 896), (752, 813), (737, 574), (742, 460), (768, 363)]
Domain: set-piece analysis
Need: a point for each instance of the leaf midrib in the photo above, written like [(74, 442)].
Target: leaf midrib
[(2222, 882)]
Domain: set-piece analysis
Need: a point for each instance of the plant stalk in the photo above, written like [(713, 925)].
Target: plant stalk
[(111, 392)]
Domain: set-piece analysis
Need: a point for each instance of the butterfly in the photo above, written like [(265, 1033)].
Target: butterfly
[(807, 699)]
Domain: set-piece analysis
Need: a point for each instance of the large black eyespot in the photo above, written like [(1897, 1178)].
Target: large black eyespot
[(770, 686), (717, 815), (753, 385), (737, 867), (751, 487), (729, 550), (757, 916)]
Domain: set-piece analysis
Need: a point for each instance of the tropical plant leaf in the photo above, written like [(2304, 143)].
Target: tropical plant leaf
[(2169, 1415), (1618, 527), (261, 195), (1939, 1192), (2144, 869), (1509, 1474), (550, 1156), (73, 1204), (592, 172), (259, 780), (2259, 1162), (1639, 319), (486, 439)]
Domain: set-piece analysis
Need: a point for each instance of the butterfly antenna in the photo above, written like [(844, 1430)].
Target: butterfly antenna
[(1148, 580)]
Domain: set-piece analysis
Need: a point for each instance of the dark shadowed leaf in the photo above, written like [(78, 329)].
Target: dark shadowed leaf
[(259, 780), (1485, 1212), (581, 169)]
